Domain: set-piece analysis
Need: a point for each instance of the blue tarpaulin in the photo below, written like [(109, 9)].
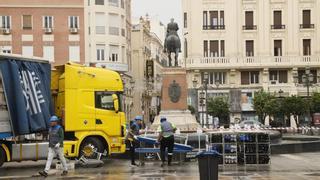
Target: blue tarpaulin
[(27, 88)]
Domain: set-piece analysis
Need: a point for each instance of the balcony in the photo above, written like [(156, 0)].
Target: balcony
[(249, 27), (278, 26), (214, 27), (252, 62), (306, 26)]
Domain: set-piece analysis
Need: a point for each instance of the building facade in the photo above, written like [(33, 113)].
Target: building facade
[(91, 32), (50, 29), (240, 47), (148, 60)]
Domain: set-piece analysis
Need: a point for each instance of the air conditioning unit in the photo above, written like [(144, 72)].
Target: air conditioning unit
[(48, 30), (6, 31), (73, 30), (273, 81)]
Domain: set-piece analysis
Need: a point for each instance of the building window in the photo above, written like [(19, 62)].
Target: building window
[(114, 21), (205, 19), (277, 20), (5, 22), (74, 22), (114, 3), (185, 48), (278, 76), (216, 23), (47, 22), (277, 48), (48, 52), (185, 20), (99, 2), (100, 23), (214, 48), (26, 22), (307, 47), (249, 22), (249, 77), (100, 52), (249, 48), (205, 48), (122, 4), (222, 52), (306, 20), (114, 53), (74, 53), (27, 51), (215, 77), (222, 19), (6, 49)]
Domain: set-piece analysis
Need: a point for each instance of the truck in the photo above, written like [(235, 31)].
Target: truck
[(87, 99)]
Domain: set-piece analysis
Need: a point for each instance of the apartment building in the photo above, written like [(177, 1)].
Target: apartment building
[(91, 32), (108, 41), (148, 61), (242, 46), (50, 29), (108, 33)]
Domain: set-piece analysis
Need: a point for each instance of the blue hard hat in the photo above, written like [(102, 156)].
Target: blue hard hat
[(163, 119), (54, 119), (137, 118)]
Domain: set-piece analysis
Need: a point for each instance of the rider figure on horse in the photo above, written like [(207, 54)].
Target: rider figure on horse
[(172, 29)]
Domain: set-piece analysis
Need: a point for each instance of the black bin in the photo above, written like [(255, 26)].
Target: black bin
[(208, 162)]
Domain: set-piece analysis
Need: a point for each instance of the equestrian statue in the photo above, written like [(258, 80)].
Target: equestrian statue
[(172, 43)]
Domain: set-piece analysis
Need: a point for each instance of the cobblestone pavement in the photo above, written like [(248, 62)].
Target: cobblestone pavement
[(304, 166)]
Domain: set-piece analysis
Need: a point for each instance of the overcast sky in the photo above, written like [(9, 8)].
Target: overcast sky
[(163, 10)]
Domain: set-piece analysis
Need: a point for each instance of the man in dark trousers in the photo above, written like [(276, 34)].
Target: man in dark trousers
[(56, 137), (132, 140), (166, 138)]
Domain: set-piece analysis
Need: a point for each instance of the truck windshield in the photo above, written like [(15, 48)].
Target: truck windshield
[(103, 100)]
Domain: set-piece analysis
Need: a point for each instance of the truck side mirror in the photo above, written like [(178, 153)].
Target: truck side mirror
[(115, 102)]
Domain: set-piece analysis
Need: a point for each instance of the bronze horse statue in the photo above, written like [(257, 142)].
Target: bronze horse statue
[(172, 42)]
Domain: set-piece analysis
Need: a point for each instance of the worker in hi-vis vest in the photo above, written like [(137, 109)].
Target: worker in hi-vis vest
[(166, 138)]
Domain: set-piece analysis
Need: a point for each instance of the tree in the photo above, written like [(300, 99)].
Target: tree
[(315, 103), (191, 109), (274, 109), (219, 107), (295, 106), (260, 100)]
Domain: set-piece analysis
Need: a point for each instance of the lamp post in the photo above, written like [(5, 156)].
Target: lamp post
[(205, 84), (307, 81), (202, 104)]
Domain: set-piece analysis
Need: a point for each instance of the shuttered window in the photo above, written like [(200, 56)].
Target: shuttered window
[(27, 22), (244, 77)]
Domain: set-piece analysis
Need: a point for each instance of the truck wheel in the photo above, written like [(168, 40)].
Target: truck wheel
[(89, 146), (3, 156)]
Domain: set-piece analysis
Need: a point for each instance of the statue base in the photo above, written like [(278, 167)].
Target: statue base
[(182, 119)]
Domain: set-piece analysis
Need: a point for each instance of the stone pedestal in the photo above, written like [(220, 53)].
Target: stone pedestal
[(174, 100)]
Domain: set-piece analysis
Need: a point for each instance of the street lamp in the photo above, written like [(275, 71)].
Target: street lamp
[(307, 81), (202, 104), (205, 83)]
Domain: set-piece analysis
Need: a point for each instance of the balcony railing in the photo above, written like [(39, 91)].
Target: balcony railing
[(254, 61), (214, 27), (278, 26), (306, 26), (249, 27)]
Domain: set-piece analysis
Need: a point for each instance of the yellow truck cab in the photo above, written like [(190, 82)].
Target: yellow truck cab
[(88, 99)]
